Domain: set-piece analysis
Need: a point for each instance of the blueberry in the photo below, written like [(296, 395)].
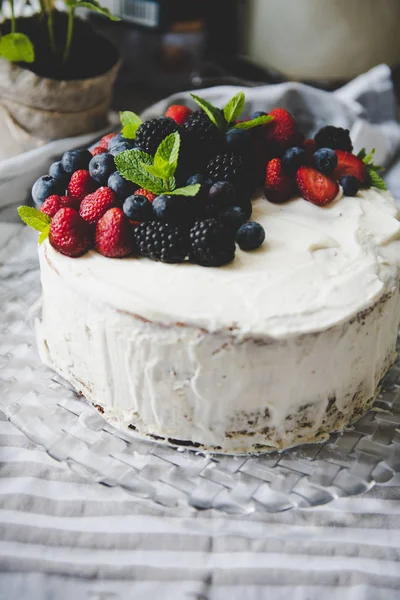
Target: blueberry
[(325, 160), (73, 160), (56, 170), (121, 147), (44, 187), (121, 186), (101, 167), (258, 113), (138, 208), (250, 236), (222, 194), (117, 139), (170, 208), (350, 185), (233, 217), (198, 178), (246, 206), (238, 140), (293, 158)]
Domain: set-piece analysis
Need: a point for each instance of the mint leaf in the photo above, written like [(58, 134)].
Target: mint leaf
[(131, 123), (362, 154), (154, 170), (94, 6), (44, 235), (367, 160), (167, 154), (34, 218), (130, 166), (212, 112), (188, 190), (234, 107), (254, 122), (17, 47), (171, 183), (376, 180)]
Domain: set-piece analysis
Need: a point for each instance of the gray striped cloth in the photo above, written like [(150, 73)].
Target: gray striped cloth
[(64, 537)]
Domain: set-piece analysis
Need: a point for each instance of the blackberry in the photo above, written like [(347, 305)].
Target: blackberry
[(161, 241), (226, 167), (205, 138), (336, 138), (211, 243), (151, 133)]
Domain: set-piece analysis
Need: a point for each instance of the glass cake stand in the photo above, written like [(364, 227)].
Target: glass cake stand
[(52, 415)]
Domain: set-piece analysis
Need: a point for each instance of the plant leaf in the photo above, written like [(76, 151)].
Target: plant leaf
[(188, 190), (34, 218), (94, 6), (254, 122), (367, 160), (154, 170), (376, 180), (44, 235), (362, 154), (167, 154), (17, 47), (212, 112), (234, 107), (130, 166), (171, 183), (131, 123)]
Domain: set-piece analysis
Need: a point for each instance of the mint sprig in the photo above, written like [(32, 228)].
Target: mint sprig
[(155, 174), (130, 124), (36, 220), (226, 119), (373, 169)]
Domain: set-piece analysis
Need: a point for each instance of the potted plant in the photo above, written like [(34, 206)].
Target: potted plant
[(56, 72)]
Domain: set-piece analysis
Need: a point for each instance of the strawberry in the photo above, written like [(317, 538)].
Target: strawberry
[(149, 195), (53, 203), (81, 184), (310, 147), (281, 132), (349, 164), (178, 113), (69, 233), (114, 234), (105, 139), (98, 150), (95, 205), (278, 186), (316, 187)]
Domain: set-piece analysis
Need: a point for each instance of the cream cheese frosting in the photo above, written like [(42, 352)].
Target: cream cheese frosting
[(317, 268)]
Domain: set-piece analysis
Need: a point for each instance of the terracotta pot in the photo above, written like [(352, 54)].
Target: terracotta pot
[(49, 109)]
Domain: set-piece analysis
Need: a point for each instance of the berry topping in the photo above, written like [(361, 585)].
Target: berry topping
[(278, 186), (151, 133), (69, 233), (161, 241), (222, 194), (121, 147), (293, 159), (178, 113), (206, 138), (256, 114), (149, 195), (95, 205), (315, 186), (74, 160), (105, 140), (325, 160), (350, 185), (172, 209), (53, 203), (138, 208), (336, 138), (122, 187), (81, 184), (350, 164), (233, 217), (226, 167), (250, 236), (101, 167), (115, 140), (281, 132), (211, 243), (114, 234), (44, 187), (98, 150), (56, 170), (238, 141)]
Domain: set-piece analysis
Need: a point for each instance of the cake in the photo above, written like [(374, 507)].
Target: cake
[(281, 346)]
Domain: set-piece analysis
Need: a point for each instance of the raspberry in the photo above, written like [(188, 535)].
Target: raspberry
[(114, 234), (211, 243), (226, 167), (81, 184), (336, 138), (151, 133), (69, 233), (142, 192), (53, 204), (161, 241), (95, 205), (98, 150), (178, 113)]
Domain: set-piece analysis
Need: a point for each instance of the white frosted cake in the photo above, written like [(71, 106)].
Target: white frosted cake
[(281, 347)]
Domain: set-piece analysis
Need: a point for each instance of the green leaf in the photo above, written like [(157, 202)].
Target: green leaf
[(34, 218), (44, 235), (367, 160), (376, 180), (154, 170), (17, 47), (167, 154), (234, 107), (130, 166), (131, 123), (212, 112), (254, 122), (94, 6), (171, 184), (362, 154), (188, 190)]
